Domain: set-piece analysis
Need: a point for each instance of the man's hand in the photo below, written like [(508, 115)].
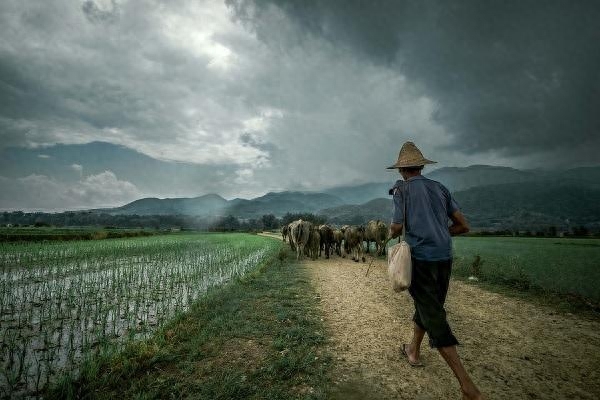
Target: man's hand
[(459, 224), (395, 230)]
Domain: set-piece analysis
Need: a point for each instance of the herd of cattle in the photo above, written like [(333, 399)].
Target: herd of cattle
[(308, 239)]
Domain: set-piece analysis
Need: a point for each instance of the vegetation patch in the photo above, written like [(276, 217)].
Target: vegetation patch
[(560, 272), (47, 233), (258, 337)]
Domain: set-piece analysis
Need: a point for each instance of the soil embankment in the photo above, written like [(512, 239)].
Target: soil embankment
[(512, 348)]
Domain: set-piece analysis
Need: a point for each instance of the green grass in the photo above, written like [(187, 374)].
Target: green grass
[(37, 234), (258, 337), (565, 266)]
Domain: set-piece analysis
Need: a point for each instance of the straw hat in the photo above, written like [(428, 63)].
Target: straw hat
[(410, 156)]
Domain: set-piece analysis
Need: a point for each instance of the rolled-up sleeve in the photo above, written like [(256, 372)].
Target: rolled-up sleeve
[(452, 205), (398, 208)]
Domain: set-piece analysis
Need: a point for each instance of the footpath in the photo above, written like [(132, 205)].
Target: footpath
[(512, 348)]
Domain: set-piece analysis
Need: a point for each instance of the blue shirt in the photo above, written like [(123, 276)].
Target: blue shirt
[(429, 206)]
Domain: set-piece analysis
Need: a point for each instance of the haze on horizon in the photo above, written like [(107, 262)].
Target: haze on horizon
[(243, 97)]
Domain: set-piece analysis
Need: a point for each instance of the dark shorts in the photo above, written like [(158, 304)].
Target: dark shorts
[(429, 286)]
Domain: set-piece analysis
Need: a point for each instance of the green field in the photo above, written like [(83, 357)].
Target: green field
[(38, 234), (64, 305), (64, 302), (568, 266)]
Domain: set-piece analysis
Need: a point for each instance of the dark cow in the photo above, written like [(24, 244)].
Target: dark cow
[(285, 230), (314, 243), (326, 239)]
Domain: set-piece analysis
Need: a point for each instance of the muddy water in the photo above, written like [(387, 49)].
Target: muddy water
[(51, 317)]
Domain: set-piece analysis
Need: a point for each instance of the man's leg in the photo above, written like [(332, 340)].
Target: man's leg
[(467, 386), (432, 280), (429, 315), (413, 349)]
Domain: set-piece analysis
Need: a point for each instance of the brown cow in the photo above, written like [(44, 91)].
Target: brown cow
[(377, 232), (299, 235), (345, 249), (353, 242), (338, 238)]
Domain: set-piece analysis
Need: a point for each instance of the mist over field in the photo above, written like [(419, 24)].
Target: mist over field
[(104, 102)]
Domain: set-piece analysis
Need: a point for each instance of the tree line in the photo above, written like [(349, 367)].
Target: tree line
[(227, 223)]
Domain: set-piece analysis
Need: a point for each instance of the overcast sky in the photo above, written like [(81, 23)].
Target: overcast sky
[(262, 96)]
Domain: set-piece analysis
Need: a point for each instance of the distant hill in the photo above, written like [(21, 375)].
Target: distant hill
[(283, 202), (209, 204), (214, 205), (360, 194), (456, 179), (520, 206), (359, 214), (588, 175), (491, 197), (453, 178), (561, 203), (463, 178)]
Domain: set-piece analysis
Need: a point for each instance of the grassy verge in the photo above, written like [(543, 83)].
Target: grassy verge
[(559, 272), (260, 337), (522, 288), (558, 264)]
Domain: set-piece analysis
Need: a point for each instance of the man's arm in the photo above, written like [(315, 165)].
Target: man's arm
[(459, 224)]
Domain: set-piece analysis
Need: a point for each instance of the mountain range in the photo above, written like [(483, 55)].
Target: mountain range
[(213, 204), (491, 197)]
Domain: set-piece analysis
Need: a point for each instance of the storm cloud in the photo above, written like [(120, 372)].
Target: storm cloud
[(283, 95), (519, 77)]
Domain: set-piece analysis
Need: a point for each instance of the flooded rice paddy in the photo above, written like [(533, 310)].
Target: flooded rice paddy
[(63, 302)]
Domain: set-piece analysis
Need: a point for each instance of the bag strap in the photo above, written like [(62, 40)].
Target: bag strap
[(405, 200)]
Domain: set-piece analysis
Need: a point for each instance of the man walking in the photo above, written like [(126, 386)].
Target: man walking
[(429, 206)]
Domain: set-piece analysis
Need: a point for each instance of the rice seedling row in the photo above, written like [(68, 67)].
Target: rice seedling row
[(63, 302)]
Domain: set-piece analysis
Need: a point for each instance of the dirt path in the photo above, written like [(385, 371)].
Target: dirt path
[(513, 349)]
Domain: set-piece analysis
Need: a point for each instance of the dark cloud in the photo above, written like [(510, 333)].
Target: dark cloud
[(518, 77), (252, 96), (96, 14), (252, 140)]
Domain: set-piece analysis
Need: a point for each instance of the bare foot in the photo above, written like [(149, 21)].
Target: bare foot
[(411, 355)]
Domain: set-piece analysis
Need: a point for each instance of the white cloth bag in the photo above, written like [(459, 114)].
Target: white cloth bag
[(399, 261), (400, 266)]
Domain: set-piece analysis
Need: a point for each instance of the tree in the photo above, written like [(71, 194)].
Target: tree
[(315, 219), (269, 221), (228, 223)]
